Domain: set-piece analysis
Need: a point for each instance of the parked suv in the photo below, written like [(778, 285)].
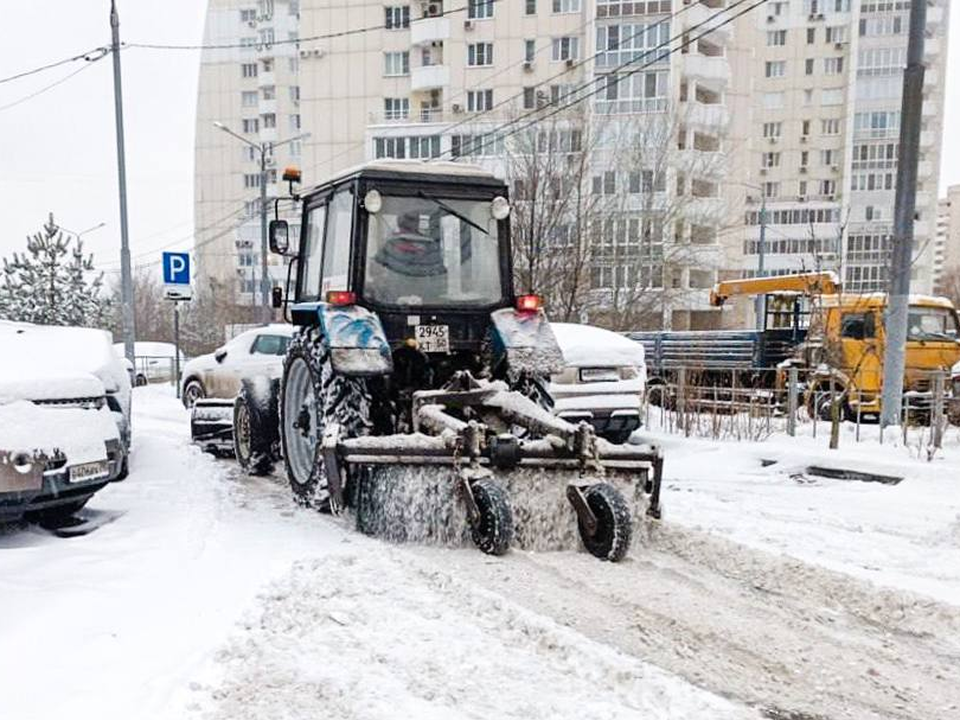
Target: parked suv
[(64, 418)]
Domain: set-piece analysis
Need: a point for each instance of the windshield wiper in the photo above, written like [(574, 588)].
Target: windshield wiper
[(451, 211)]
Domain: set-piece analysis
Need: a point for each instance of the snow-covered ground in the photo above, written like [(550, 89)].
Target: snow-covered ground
[(211, 596)]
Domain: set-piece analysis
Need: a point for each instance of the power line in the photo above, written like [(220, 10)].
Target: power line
[(294, 41), (90, 56), (52, 85)]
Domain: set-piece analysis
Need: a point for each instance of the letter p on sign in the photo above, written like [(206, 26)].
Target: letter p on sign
[(176, 268)]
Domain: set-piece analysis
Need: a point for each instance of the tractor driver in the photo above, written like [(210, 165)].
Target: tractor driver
[(409, 263)]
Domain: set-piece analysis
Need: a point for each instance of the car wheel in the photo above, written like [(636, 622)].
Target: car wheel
[(192, 392), (141, 380)]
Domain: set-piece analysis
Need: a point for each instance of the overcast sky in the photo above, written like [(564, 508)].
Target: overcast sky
[(57, 150)]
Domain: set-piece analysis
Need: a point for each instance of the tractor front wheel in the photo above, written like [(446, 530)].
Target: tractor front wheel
[(493, 530), (614, 531)]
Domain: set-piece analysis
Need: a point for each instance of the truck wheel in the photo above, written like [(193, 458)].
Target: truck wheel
[(313, 395), (611, 541), (493, 532), (252, 435)]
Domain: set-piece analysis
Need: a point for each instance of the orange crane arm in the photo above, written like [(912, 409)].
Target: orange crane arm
[(824, 283)]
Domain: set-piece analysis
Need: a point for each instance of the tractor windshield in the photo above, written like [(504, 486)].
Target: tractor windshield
[(930, 323), (432, 251)]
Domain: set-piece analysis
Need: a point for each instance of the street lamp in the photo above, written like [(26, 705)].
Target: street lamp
[(78, 235), (264, 149)]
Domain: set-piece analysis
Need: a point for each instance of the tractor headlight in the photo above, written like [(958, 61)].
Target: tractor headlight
[(373, 201), (500, 208)]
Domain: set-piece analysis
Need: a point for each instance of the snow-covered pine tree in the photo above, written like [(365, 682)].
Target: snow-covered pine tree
[(52, 282)]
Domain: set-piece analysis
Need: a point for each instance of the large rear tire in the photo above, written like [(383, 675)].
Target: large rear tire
[(252, 436), (313, 395), (493, 532)]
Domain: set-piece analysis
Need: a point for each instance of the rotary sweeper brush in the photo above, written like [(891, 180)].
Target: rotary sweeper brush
[(414, 391)]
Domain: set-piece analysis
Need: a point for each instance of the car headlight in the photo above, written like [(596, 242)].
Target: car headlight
[(629, 372)]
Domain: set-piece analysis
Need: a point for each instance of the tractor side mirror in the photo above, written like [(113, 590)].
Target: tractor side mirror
[(276, 297), (279, 237), (219, 355)]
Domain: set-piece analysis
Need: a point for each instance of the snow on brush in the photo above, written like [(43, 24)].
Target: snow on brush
[(369, 632)]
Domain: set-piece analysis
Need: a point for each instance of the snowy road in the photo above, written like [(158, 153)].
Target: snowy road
[(213, 597)]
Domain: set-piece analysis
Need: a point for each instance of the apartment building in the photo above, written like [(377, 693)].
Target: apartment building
[(441, 83), (821, 158), (249, 85), (946, 247)]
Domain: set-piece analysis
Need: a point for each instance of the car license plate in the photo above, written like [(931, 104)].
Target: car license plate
[(599, 375), (88, 471), (433, 338)]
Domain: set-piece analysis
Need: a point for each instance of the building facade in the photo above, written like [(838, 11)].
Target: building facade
[(946, 249), (248, 84), (821, 155)]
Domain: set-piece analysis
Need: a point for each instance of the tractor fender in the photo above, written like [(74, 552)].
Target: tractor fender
[(358, 345), (527, 341)]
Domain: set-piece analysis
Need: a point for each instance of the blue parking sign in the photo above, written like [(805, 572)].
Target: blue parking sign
[(176, 268)]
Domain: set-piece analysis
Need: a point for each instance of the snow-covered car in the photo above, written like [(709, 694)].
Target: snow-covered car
[(254, 353), (602, 382), (154, 361), (954, 408), (64, 418)]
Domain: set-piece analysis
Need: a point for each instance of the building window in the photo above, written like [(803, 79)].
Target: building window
[(779, 7), (830, 127), (828, 157), (805, 127), (266, 37), (566, 6), (248, 70), (808, 96), (251, 180), (424, 147), (396, 64), (294, 122), (530, 8), (634, 92), (828, 187), (390, 147), (397, 17), (249, 98), (566, 48), (396, 108), (646, 181), (833, 96), (837, 34), (479, 100), (811, 36), (771, 189), (773, 100), (605, 184), (529, 50), (248, 15), (480, 54), (269, 120), (529, 98), (772, 129), (771, 159), (804, 158), (248, 43), (808, 66), (269, 92), (776, 38), (295, 94), (480, 9), (776, 68), (632, 43), (833, 65), (250, 125), (489, 145)]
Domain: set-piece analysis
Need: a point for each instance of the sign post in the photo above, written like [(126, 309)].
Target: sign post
[(176, 287)]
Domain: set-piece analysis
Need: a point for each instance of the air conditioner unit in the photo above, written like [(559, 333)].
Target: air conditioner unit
[(750, 199), (811, 17), (831, 197), (771, 18), (528, 66), (305, 53), (457, 108), (801, 198), (468, 24), (270, 162), (803, 169), (774, 140), (432, 9), (835, 168), (763, 171), (803, 138), (570, 62), (251, 23), (838, 46), (819, 16)]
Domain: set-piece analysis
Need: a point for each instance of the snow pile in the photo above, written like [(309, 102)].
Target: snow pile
[(78, 434), (374, 633), (588, 346), (52, 354)]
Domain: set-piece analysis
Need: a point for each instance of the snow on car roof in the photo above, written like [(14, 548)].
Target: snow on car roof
[(49, 362), (149, 348), (272, 329), (589, 346)]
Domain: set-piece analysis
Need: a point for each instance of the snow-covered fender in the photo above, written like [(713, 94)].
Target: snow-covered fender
[(527, 341), (358, 345)]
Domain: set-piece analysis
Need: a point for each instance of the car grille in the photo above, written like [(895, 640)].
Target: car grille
[(85, 403)]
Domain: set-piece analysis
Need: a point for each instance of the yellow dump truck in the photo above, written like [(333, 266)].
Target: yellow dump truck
[(844, 339)]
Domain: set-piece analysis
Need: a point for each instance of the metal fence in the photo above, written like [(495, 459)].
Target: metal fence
[(151, 369), (735, 406)]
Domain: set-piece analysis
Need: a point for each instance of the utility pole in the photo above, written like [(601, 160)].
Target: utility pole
[(126, 276), (904, 211), (761, 306), (265, 289)]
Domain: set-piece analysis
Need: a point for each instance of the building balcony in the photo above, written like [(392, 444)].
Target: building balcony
[(429, 77), (267, 134), (694, 17), (266, 78), (714, 70), (710, 117), (703, 210), (428, 30), (707, 164), (266, 107)]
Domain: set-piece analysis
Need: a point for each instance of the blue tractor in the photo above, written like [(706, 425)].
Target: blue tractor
[(415, 358)]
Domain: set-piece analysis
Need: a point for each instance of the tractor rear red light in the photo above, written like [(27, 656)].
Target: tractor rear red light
[(341, 297), (529, 303)]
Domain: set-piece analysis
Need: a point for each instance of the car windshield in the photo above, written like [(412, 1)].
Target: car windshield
[(926, 323), (432, 251)]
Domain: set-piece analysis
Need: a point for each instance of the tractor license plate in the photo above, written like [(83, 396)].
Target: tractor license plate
[(88, 471), (433, 338)]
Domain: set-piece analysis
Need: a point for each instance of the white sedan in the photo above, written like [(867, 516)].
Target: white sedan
[(254, 353), (602, 382)]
